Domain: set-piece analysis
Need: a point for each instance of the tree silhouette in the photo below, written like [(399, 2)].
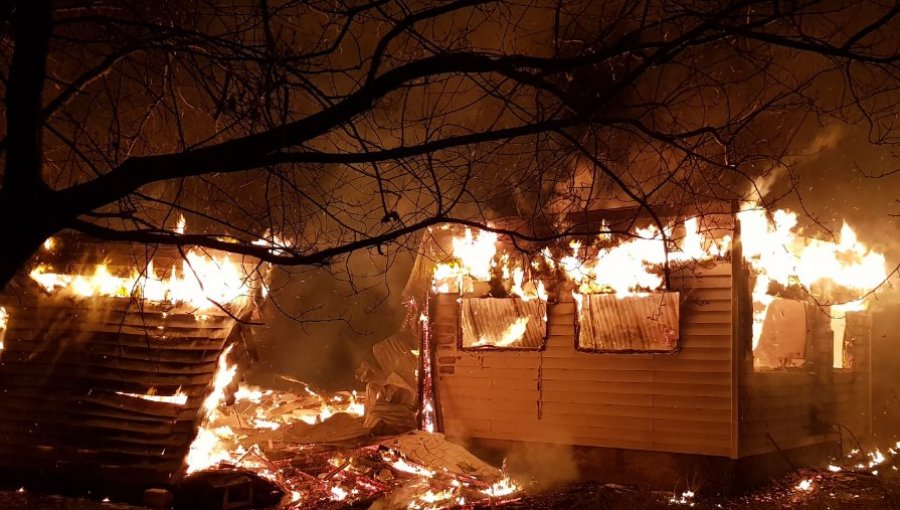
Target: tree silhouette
[(343, 126)]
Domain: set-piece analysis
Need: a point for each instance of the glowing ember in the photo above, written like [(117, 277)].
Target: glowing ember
[(400, 464), (686, 498), (204, 281), (877, 458), (833, 468), (504, 487), (805, 485), (338, 493), (179, 398)]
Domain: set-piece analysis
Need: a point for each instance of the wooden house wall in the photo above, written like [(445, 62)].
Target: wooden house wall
[(853, 386), (682, 402), (68, 365), (786, 409)]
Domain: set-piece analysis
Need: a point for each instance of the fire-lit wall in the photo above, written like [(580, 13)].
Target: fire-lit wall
[(682, 402), (783, 410)]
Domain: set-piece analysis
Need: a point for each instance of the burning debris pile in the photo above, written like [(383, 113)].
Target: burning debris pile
[(316, 449), (334, 449), (231, 433)]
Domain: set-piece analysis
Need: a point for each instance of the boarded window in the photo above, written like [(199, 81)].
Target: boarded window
[(782, 342), (638, 323), (503, 323)]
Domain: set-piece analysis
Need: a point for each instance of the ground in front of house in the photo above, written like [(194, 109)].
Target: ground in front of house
[(803, 490)]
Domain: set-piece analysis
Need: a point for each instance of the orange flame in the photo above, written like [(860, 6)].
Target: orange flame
[(4, 323), (631, 266), (207, 449), (778, 254), (203, 281), (475, 256), (179, 398)]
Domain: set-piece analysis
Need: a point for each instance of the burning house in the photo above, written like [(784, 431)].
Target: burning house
[(120, 373), (713, 349), (109, 357)]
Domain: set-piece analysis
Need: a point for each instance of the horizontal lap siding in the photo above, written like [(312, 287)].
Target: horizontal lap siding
[(679, 403), (68, 368), (781, 410)]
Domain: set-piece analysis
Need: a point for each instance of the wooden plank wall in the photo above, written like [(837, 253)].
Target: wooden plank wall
[(68, 368), (786, 409), (679, 403)]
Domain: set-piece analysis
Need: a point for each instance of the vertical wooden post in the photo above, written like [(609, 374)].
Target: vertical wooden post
[(738, 289)]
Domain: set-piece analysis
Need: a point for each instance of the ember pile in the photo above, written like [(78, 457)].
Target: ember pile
[(315, 448)]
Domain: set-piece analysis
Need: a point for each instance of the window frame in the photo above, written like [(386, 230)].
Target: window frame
[(494, 348), (594, 350)]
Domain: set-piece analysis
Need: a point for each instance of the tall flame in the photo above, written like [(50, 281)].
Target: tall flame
[(182, 224), (633, 265), (474, 258), (778, 254), (207, 450)]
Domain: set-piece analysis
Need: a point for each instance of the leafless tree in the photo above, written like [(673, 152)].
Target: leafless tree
[(351, 125)]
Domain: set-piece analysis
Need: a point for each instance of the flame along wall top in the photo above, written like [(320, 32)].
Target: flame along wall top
[(107, 388), (162, 277), (483, 266)]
